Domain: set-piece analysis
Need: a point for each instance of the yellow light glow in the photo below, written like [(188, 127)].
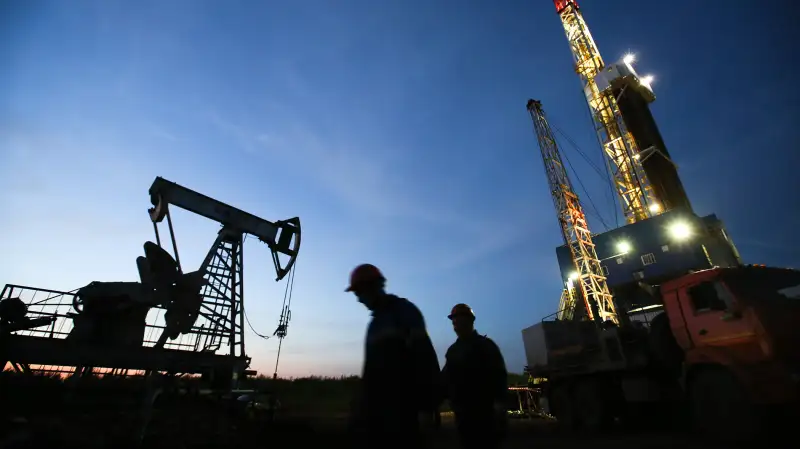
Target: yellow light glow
[(647, 80), (573, 276), (629, 59), (655, 208), (680, 230), (623, 247)]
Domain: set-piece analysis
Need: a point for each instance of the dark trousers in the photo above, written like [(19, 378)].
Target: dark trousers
[(390, 430), (479, 429)]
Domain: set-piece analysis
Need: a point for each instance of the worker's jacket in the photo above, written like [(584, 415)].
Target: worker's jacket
[(475, 376), (401, 370)]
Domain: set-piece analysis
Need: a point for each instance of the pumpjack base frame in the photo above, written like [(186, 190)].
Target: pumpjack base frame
[(31, 350), (47, 349)]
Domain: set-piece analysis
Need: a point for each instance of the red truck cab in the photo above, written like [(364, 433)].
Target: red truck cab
[(739, 331), (746, 319)]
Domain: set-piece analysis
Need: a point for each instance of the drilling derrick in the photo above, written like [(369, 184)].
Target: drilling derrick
[(574, 228), (619, 146)]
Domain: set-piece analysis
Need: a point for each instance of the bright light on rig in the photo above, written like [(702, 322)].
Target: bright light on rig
[(655, 208), (623, 247), (573, 276), (680, 230), (629, 59), (647, 80)]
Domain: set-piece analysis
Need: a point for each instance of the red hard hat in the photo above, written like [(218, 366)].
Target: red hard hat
[(364, 274), (461, 310)]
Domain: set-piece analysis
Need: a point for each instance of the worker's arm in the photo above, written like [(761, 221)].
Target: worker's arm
[(496, 365), (423, 359), (499, 379), (445, 376), (445, 371)]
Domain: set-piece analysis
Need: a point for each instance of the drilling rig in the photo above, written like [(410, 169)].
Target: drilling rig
[(169, 321), (610, 367), (661, 224), (688, 327)]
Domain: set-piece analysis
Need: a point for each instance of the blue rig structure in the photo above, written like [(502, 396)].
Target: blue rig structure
[(654, 250)]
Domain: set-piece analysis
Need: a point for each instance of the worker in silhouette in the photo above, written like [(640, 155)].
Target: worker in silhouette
[(400, 383), (476, 382)]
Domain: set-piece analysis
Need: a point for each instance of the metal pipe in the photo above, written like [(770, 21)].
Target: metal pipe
[(158, 237), (174, 243)]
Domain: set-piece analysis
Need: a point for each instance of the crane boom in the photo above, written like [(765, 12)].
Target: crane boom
[(630, 181), (574, 227)]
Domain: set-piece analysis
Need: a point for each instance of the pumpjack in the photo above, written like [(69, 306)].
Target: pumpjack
[(113, 325)]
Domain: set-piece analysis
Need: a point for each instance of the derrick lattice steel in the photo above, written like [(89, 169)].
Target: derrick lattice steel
[(574, 228), (630, 181)]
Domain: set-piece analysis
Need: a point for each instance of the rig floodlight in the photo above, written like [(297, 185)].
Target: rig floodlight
[(680, 230), (629, 58)]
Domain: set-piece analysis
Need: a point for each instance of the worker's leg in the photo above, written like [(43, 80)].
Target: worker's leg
[(477, 432), (400, 432)]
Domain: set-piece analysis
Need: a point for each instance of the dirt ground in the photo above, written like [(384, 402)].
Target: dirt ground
[(542, 434), (36, 417), (194, 429), (537, 434)]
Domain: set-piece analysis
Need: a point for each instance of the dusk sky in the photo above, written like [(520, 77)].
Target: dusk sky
[(396, 130)]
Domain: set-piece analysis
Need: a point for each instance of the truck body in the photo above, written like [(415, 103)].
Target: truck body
[(723, 349)]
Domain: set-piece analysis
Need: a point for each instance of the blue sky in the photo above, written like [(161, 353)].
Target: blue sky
[(396, 130)]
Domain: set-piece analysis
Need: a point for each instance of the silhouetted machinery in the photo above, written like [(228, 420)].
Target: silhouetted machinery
[(112, 325), (114, 314)]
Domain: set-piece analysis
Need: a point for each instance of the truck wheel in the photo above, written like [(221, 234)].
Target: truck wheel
[(590, 406), (561, 405), (719, 408)]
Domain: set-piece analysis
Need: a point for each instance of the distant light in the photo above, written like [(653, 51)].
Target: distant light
[(623, 247), (573, 276), (680, 230), (655, 208), (647, 80), (629, 59)]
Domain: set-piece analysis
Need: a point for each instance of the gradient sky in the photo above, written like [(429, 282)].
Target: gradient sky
[(396, 130)]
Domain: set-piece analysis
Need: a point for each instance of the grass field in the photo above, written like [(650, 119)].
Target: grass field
[(38, 411)]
